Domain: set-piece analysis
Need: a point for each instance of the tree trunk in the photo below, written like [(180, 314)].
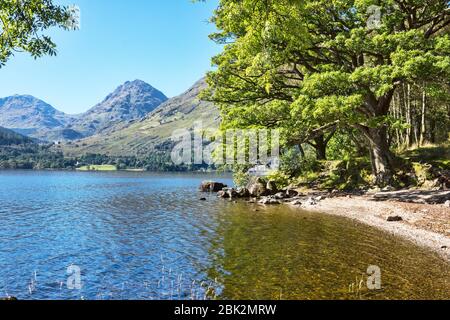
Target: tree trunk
[(423, 127), (321, 147), (381, 155), (409, 131)]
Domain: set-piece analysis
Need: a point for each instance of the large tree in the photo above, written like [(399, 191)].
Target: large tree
[(309, 66), (22, 23)]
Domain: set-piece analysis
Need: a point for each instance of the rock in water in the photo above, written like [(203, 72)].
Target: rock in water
[(211, 186), (222, 194), (257, 188), (271, 187), (269, 201), (230, 193), (243, 193)]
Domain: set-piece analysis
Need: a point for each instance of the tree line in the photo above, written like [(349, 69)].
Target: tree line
[(376, 72)]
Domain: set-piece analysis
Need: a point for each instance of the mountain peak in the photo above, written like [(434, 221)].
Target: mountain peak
[(130, 101), (137, 82), (135, 89), (28, 112)]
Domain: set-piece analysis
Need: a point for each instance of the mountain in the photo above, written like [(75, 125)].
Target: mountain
[(154, 131), (30, 116), (129, 102), (9, 138), (35, 118)]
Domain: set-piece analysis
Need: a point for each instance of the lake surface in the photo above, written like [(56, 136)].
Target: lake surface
[(147, 236)]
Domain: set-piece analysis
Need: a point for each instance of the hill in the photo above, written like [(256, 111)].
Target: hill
[(152, 133), (129, 102), (31, 116), (9, 137)]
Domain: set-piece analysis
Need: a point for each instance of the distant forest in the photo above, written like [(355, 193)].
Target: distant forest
[(20, 152)]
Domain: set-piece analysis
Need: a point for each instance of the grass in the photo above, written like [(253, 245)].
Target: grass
[(436, 155), (141, 137), (421, 167), (105, 167)]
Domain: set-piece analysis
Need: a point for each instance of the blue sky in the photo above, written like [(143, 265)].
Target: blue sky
[(163, 42)]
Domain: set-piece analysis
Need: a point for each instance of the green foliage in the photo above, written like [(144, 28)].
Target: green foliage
[(241, 178), (281, 179), (436, 156), (342, 146), (9, 137), (32, 156), (22, 24), (350, 174), (307, 67)]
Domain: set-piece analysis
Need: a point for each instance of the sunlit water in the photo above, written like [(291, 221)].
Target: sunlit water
[(148, 236)]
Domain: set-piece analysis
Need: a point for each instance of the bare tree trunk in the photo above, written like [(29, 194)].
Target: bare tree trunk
[(397, 115), (423, 127), (408, 116)]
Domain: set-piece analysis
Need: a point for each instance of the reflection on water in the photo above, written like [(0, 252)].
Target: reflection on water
[(275, 253), (147, 236)]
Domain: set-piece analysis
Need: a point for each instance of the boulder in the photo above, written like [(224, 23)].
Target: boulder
[(291, 193), (394, 219), (230, 192), (296, 203), (257, 188), (447, 204), (243, 193), (211, 186), (222, 194), (311, 202), (271, 187), (280, 196), (269, 201)]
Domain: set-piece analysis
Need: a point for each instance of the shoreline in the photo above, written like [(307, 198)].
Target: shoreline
[(425, 225), (419, 216)]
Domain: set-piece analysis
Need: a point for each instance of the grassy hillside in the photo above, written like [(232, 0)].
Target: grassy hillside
[(9, 137), (153, 132)]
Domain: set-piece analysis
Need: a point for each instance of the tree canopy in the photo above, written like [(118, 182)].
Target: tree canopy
[(309, 67), (22, 23)]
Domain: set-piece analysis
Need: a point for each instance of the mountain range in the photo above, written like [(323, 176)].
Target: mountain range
[(35, 118), (32, 117), (131, 121), (130, 101)]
